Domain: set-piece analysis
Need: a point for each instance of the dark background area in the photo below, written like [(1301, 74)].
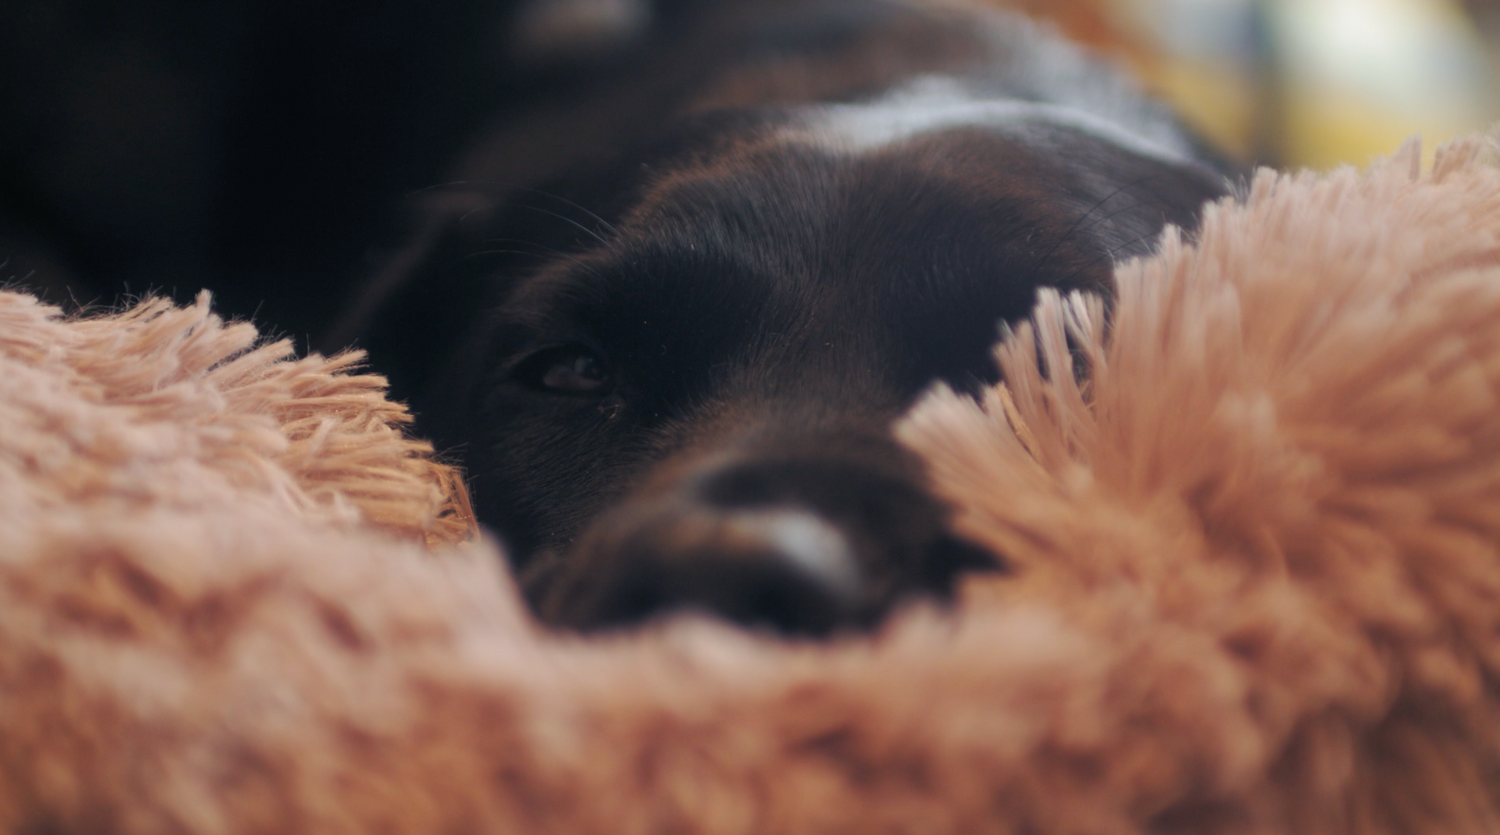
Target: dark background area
[(258, 148)]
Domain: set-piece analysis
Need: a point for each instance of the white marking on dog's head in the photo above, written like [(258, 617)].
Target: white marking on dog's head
[(936, 103)]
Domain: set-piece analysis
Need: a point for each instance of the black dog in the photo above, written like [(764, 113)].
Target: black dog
[(668, 322)]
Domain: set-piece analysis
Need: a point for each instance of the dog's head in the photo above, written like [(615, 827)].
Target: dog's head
[(672, 373), (681, 390)]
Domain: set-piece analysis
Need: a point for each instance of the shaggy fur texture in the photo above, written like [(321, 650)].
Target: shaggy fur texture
[(1258, 585)]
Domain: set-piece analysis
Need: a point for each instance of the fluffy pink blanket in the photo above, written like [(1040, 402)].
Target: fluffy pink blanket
[(1258, 585)]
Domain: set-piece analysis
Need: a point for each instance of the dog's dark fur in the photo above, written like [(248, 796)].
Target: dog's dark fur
[(668, 319)]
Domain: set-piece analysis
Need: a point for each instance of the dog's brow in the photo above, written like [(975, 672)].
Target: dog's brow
[(663, 301)]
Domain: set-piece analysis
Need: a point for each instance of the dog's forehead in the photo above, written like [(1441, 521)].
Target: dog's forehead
[(903, 229), (896, 193), (942, 213), (798, 178), (898, 260), (936, 139)]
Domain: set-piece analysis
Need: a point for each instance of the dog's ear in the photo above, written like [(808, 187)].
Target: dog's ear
[(414, 310)]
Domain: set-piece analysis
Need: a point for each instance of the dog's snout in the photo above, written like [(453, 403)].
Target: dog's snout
[(807, 542), (784, 569)]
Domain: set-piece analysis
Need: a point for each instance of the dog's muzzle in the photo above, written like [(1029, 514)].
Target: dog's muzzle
[(805, 537)]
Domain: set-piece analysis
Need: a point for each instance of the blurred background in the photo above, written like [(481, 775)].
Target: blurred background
[(1312, 83), (264, 147)]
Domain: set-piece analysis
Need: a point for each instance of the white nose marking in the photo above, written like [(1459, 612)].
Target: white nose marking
[(808, 542)]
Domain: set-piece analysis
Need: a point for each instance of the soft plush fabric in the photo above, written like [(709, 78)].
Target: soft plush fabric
[(1254, 521)]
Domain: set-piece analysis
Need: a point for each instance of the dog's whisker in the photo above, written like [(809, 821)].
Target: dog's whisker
[(1078, 225), (1067, 235), (565, 201), (564, 218)]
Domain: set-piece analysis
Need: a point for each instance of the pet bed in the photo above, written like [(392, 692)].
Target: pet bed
[(1254, 519)]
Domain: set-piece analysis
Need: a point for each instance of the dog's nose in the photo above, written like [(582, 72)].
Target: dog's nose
[(800, 546), (810, 541), (784, 569)]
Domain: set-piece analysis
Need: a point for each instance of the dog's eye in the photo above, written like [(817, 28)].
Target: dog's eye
[(572, 369)]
